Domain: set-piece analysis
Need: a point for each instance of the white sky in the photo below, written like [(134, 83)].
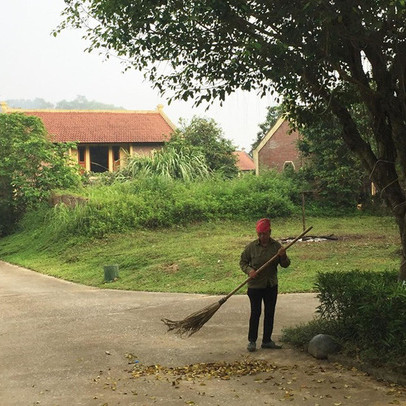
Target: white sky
[(36, 64)]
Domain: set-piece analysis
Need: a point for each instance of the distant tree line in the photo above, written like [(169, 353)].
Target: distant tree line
[(80, 103)]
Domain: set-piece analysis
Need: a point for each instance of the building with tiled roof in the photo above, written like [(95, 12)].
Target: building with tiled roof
[(244, 162), (278, 149), (104, 138)]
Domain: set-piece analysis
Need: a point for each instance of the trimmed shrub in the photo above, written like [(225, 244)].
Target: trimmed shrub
[(370, 309), (365, 311)]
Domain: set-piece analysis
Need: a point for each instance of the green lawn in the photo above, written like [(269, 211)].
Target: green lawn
[(203, 258)]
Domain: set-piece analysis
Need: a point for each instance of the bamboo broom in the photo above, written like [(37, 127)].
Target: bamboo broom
[(195, 321)]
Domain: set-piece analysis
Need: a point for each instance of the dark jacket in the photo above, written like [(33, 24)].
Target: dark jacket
[(255, 255)]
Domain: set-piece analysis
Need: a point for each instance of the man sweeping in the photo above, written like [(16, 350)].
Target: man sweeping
[(263, 286), (263, 254)]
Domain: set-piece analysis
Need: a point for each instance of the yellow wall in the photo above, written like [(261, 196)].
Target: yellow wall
[(125, 149)]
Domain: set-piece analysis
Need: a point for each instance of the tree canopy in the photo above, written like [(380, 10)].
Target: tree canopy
[(335, 176), (319, 56), (30, 167), (206, 136)]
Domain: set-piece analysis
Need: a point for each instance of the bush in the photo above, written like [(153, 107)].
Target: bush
[(249, 197), (367, 311), (302, 334), (26, 179), (154, 201)]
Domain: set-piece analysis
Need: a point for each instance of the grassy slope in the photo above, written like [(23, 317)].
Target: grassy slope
[(204, 257)]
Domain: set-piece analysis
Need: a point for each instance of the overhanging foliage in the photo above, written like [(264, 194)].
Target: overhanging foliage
[(318, 56)]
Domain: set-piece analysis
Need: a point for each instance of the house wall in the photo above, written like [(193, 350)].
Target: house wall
[(144, 149), (279, 150), (113, 164)]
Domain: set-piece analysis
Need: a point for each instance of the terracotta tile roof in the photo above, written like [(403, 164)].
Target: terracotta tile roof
[(105, 126), (244, 161)]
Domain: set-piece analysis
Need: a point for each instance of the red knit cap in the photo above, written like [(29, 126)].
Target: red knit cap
[(263, 225)]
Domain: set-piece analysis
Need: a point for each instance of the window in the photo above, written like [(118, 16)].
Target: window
[(288, 166)]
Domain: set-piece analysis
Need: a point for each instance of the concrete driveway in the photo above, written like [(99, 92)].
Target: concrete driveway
[(67, 344)]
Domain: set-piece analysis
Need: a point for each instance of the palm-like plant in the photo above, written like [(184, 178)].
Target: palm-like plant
[(173, 163)]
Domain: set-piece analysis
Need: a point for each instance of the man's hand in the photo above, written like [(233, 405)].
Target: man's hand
[(282, 252), (252, 273)]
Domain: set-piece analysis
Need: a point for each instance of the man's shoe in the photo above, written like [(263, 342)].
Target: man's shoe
[(271, 345), (252, 346)]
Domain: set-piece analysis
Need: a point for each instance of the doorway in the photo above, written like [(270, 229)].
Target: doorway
[(99, 158)]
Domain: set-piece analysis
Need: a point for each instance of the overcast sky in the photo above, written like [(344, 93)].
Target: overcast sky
[(36, 64)]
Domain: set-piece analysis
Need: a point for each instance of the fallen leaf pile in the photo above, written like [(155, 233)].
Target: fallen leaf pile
[(311, 383), (220, 370)]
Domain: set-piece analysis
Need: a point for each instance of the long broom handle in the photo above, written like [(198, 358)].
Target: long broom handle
[(225, 298)]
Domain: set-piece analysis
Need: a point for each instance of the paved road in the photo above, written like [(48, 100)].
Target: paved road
[(67, 344)]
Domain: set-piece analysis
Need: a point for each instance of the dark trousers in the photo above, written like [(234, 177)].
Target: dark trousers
[(256, 296)]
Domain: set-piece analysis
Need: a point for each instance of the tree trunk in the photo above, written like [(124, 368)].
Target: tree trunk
[(382, 168), (383, 173), (401, 221)]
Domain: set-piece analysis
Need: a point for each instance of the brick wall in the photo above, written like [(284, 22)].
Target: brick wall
[(280, 148)]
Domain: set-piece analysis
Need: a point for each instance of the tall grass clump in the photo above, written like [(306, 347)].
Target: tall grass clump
[(170, 163)]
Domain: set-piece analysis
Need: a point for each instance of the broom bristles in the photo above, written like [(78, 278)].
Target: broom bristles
[(194, 322)]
